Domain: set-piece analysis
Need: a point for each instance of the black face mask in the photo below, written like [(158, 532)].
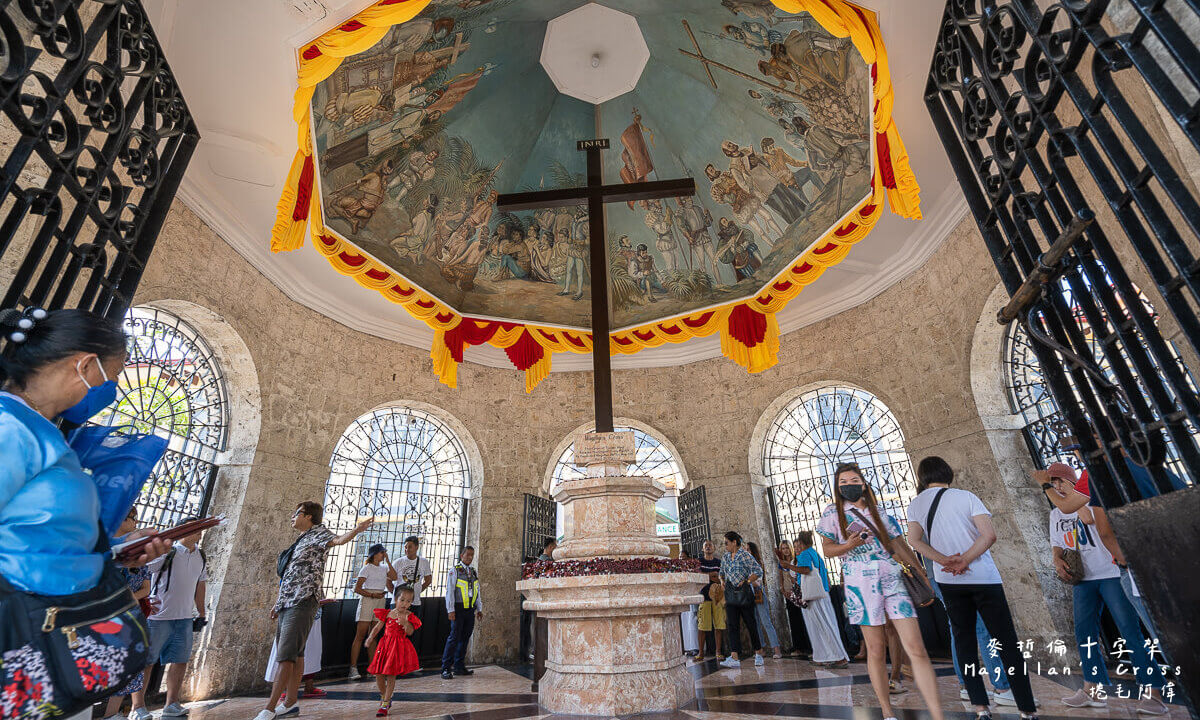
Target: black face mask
[(851, 493)]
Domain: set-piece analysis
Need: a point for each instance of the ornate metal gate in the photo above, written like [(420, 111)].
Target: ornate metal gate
[(693, 520), (540, 520), (1073, 132), (99, 137)]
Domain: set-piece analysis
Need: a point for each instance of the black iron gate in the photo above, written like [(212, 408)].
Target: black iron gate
[(1059, 125), (693, 520), (104, 137), (540, 523)]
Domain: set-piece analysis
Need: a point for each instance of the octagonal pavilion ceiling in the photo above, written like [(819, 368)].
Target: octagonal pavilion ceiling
[(414, 137)]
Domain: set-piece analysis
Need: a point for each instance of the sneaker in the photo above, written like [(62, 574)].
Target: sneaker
[(1081, 699), (464, 670), (1004, 697), (730, 662), (1151, 706), (964, 695), (140, 714), (315, 694), (174, 710), (383, 709), (758, 661), (285, 711), (355, 674), (447, 675), (265, 715)]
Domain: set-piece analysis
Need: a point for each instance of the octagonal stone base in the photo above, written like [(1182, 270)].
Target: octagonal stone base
[(614, 642)]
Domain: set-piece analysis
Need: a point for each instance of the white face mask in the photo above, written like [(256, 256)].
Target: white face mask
[(82, 379)]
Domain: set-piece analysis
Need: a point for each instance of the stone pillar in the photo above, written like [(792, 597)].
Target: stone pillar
[(614, 640)]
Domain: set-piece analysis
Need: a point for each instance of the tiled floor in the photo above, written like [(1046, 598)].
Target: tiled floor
[(783, 688)]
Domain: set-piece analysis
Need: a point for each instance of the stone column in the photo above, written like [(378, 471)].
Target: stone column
[(614, 640)]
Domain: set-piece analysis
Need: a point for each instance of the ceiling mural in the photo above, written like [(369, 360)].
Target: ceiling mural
[(415, 137)]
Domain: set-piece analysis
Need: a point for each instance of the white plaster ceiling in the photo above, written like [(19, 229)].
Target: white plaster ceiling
[(236, 63), (594, 53)]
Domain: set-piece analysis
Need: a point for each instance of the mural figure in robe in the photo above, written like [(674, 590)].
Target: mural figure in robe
[(414, 243), (757, 183), (417, 168), (358, 201), (780, 163)]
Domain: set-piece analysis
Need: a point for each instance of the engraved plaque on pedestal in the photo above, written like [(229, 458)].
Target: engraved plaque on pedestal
[(605, 448)]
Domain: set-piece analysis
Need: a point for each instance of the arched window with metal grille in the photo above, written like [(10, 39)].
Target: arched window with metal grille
[(1029, 396), (173, 386), (811, 436), (407, 468), (654, 459)]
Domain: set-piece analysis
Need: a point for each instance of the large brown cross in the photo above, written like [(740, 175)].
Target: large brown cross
[(595, 194)]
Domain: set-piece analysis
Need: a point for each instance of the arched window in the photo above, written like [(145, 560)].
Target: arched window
[(408, 469), (1030, 397), (654, 460), (173, 387), (811, 436)]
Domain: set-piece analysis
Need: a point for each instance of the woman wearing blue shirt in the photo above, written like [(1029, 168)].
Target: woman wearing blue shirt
[(819, 617), (57, 364)]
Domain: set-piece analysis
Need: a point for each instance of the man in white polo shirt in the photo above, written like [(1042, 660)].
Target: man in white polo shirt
[(177, 586), (412, 570)]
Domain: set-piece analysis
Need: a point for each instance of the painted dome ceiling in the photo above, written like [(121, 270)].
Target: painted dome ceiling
[(769, 112)]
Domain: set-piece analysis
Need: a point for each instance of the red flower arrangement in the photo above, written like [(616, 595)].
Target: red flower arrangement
[(607, 566)]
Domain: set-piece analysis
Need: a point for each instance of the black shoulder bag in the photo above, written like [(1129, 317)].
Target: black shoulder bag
[(929, 516), (285, 558), (64, 653)]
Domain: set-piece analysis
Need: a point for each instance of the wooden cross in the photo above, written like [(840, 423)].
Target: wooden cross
[(594, 195)]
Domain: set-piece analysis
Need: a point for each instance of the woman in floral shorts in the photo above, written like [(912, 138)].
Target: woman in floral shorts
[(856, 529)]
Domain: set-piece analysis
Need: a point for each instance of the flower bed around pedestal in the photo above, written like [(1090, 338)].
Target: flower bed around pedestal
[(607, 566)]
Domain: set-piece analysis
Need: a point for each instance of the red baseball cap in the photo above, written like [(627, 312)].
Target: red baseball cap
[(1062, 471)]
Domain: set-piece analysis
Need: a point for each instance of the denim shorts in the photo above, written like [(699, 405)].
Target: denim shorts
[(170, 641)]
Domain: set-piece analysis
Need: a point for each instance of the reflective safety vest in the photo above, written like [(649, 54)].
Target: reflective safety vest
[(467, 583)]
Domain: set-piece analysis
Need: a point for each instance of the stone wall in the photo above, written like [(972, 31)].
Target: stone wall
[(911, 346)]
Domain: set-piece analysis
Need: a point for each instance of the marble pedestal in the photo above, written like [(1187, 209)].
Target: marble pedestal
[(614, 645)]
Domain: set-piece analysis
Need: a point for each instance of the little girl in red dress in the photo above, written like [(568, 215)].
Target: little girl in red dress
[(395, 654)]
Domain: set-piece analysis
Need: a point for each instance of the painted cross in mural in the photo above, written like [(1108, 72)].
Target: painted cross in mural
[(641, 265)]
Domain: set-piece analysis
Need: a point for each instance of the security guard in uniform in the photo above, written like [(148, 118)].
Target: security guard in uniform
[(464, 608)]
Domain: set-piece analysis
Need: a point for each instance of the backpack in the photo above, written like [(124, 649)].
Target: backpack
[(167, 566)]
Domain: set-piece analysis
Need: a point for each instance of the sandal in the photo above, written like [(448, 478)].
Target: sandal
[(383, 709), (896, 688)]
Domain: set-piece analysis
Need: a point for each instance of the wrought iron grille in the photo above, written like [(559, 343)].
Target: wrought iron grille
[(97, 140), (539, 525), (653, 460), (173, 387), (1050, 112), (693, 520), (816, 432), (1030, 397), (409, 470)]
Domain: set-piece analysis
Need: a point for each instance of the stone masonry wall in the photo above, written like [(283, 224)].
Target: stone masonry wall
[(911, 346)]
